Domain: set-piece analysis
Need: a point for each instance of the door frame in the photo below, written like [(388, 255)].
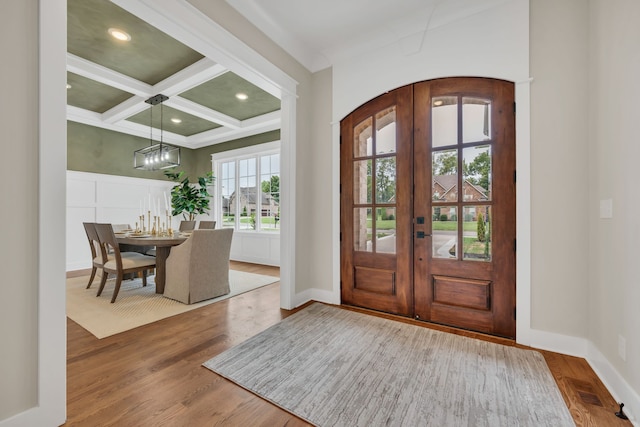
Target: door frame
[(524, 334)]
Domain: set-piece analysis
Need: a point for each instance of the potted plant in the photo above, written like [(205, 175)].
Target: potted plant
[(190, 199)]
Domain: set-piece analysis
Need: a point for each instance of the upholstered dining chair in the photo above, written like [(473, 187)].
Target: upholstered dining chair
[(120, 227), (94, 245), (198, 269), (206, 225), (187, 225), (122, 262)]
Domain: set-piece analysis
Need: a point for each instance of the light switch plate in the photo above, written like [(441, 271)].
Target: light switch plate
[(606, 208)]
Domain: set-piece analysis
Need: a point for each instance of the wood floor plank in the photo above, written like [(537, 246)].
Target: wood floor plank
[(152, 375)]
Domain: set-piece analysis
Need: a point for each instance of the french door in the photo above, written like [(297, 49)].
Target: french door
[(428, 204)]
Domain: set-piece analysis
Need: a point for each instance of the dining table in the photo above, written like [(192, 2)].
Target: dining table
[(163, 246)]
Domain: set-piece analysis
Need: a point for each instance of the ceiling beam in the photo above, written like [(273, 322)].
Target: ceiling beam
[(264, 123), (203, 112), (122, 111), (190, 77), (107, 76)]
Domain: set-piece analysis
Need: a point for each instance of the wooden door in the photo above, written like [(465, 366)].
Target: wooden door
[(428, 204), (464, 262), (376, 211)]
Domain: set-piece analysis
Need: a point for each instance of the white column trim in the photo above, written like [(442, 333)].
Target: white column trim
[(288, 202), (52, 151)]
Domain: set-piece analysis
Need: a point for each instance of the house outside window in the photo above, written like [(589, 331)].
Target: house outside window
[(248, 189)]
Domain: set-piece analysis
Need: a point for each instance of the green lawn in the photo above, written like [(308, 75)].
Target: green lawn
[(473, 246), (437, 225), (387, 224), (453, 225)]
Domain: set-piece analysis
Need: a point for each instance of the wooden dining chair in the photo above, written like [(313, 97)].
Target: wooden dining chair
[(94, 245), (187, 225), (122, 262), (206, 225)]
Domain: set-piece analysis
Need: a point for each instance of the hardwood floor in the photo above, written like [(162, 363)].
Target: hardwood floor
[(152, 375)]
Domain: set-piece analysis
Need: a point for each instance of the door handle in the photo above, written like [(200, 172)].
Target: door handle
[(421, 235)]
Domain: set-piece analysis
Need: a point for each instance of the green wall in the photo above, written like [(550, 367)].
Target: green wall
[(98, 150), (203, 155)]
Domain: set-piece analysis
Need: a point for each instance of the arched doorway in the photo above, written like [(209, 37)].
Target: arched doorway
[(428, 204)]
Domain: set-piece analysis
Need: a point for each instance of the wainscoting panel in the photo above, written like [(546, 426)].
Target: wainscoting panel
[(78, 252), (106, 198), (258, 248)]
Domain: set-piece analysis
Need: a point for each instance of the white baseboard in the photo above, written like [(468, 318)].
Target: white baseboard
[(255, 260), (581, 347), (558, 343), (37, 416), (74, 266), (319, 295), (615, 383)]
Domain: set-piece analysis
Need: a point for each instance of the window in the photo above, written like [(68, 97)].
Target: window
[(248, 189)]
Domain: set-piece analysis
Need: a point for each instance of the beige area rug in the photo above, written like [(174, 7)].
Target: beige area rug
[(137, 305), (334, 367)]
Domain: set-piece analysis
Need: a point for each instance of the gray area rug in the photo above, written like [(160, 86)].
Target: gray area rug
[(334, 367)]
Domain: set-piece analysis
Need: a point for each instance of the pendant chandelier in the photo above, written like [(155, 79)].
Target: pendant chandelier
[(160, 155)]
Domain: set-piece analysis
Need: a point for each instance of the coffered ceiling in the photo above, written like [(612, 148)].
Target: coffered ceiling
[(108, 81)]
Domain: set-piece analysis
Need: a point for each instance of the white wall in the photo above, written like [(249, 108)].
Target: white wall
[(559, 172), (32, 317), (493, 43), (614, 153), (19, 213)]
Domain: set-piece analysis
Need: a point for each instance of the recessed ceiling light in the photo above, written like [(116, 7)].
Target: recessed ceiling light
[(176, 120), (242, 96), (438, 103), (119, 34)]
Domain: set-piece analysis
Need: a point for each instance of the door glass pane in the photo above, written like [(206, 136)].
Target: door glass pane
[(245, 200), (476, 119), (269, 212), (386, 180), (445, 176), (227, 190), (363, 138), (362, 229), (386, 230), (444, 226), (362, 170), (477, 233), (444, 121), (476, 173), (386, 131)]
